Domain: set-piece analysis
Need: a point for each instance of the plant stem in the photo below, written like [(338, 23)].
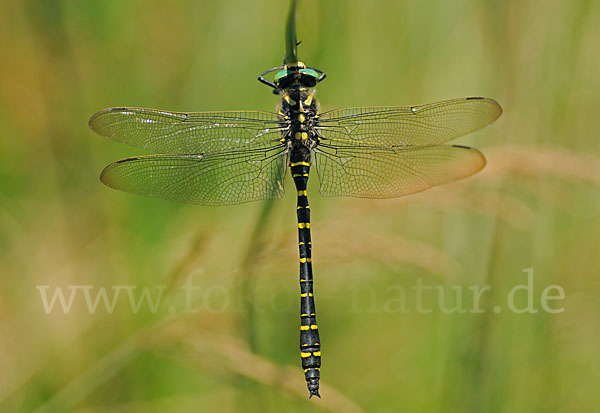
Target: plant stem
[(291, 43)]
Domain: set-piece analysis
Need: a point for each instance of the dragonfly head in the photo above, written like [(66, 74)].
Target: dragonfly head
[(295, 74)]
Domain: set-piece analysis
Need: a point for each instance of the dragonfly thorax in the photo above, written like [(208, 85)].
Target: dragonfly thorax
[(299, 109)]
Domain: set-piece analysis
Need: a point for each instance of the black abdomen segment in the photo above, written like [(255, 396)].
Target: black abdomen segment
[(310, 344)]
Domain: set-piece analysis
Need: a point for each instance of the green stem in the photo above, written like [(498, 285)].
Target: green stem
[(291, 49)]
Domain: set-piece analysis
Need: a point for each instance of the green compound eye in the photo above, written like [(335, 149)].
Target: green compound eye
[(283, 73), (280, 75), (310, 72)]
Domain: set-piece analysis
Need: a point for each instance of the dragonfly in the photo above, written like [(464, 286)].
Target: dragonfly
[(233, 157)]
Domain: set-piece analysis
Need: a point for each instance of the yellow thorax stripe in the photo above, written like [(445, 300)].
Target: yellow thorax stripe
[(301, 136), (300, 163)]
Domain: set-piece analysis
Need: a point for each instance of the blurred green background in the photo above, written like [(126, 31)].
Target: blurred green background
[(232, 345)]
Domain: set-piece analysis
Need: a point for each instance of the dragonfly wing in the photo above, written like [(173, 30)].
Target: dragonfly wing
[(389, 173), (214, 179), (422, 125), (196, 132)]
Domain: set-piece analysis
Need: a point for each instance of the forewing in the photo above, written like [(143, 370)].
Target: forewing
[(389, 173), (214, 179), (405, 126), (187, 133)]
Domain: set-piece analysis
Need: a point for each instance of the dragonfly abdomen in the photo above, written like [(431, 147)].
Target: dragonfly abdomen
[(310, 345)]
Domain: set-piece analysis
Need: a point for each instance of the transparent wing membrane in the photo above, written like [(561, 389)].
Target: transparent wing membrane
[(406, 126), (385, 152), (388, 173), (188, 133), (222, 158), (214, 179)]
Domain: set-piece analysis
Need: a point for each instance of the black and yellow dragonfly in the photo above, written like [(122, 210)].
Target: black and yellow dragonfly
[(226, 158)]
